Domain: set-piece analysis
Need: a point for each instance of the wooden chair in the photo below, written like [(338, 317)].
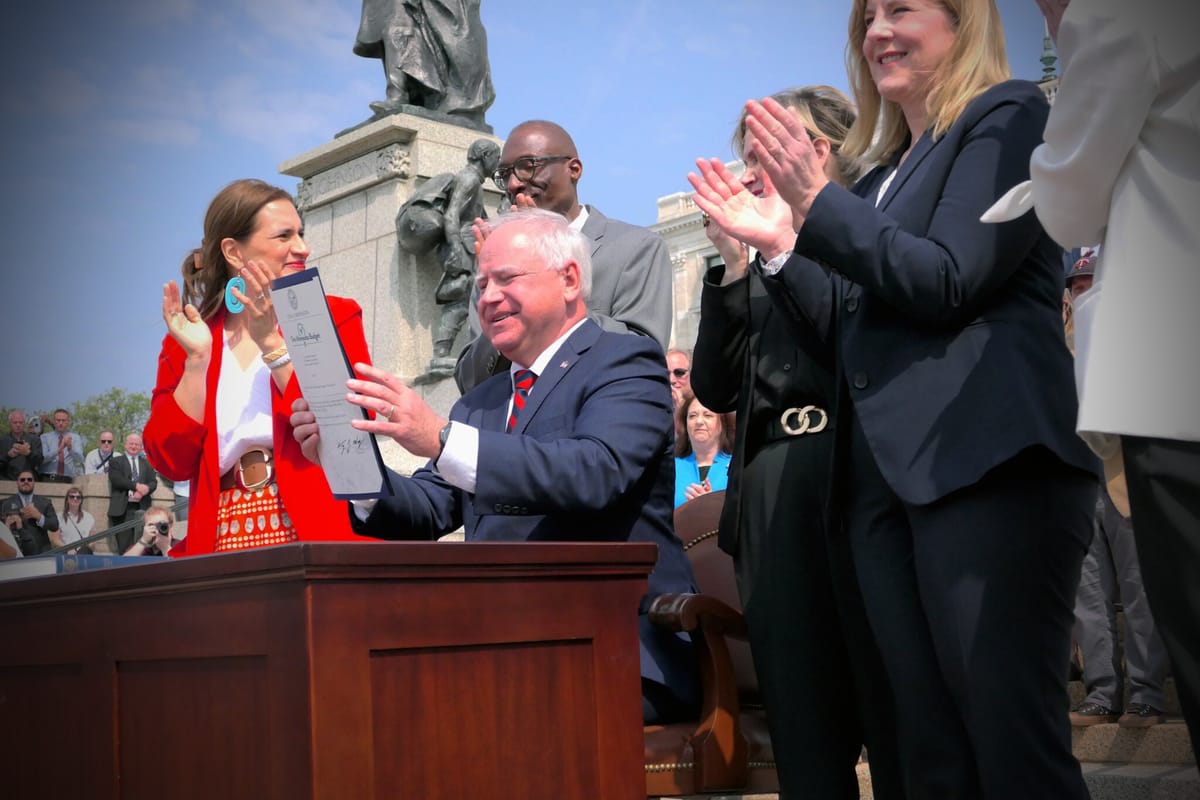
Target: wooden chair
[(728, 748)]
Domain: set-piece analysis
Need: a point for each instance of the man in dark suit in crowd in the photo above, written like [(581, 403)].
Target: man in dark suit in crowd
[(131, 480), (631, 270), (574, 442), (19, 449), (30, 518)]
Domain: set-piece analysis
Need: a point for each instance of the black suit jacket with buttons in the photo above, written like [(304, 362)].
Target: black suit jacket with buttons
[(590, 459), (121, 482), (948, 330)]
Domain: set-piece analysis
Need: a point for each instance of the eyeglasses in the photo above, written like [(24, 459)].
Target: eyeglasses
[(24, 480), (524, 168), (679, 372), (74, 497), (106, 441)]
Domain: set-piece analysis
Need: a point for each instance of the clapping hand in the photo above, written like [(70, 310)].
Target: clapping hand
[(763, 222), (787, 155), (185, 324), (694, 490)]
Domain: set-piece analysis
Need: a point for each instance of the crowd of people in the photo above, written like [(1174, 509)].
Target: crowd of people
[(881, 384)]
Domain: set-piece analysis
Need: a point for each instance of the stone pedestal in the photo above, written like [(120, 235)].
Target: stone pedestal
[(350, 192)]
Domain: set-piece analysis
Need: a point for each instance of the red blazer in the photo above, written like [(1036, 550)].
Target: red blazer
[(182, 449)]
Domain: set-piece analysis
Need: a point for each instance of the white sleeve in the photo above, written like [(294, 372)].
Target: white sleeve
[(1109, 81)]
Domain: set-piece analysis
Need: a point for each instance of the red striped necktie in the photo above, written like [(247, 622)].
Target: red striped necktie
[(522, 382)]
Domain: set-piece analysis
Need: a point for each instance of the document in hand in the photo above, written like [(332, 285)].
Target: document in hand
[(350, 458)]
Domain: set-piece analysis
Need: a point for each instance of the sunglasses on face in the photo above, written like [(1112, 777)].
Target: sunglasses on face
[(24, 480), (106, 441), (679, 372)]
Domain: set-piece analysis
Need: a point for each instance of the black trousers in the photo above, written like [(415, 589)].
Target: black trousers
[(821, 677), (1163, 476), (971, 601)]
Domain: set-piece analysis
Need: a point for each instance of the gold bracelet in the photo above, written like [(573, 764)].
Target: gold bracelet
[(276, 354)]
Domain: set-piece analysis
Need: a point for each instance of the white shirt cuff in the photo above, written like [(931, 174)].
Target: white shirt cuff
[(459, 461)]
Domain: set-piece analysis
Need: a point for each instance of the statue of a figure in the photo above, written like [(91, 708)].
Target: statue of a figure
[(434, 56), (437, 219)]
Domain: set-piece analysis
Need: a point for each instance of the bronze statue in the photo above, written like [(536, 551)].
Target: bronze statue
[(434, 56), (437, 219)]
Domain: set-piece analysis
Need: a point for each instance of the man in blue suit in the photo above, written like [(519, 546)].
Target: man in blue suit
[(572, 443)]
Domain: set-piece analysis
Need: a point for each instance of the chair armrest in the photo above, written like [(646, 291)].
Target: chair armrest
[(693, 612), (720, 748)]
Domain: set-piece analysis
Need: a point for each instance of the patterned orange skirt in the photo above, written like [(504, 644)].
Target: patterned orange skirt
[(252, 519)]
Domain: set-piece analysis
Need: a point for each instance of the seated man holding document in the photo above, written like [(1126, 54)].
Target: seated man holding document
[(572, 444)]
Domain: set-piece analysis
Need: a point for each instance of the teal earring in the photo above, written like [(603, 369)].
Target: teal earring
[(231, 302)]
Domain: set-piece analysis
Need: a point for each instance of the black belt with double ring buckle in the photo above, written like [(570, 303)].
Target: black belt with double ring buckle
[(800, 420)]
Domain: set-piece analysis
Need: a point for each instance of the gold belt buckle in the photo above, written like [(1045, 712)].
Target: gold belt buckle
[(268, 471), (804, 422)]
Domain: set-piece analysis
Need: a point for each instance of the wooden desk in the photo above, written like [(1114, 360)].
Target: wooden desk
[(363, 670)]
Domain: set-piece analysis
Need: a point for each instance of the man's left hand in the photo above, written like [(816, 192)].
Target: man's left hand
[(399, 411)]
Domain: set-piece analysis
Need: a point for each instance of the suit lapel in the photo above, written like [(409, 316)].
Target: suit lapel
[(560, 363), (924, 146)]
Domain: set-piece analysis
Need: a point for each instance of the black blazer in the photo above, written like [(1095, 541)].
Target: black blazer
[(949, 329), (10, 468), (754, 360), (120, 482), (31, 537)]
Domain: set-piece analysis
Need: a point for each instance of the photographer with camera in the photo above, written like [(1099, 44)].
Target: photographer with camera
[(158, 534)]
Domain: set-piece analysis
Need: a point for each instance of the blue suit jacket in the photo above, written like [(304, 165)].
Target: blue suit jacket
[(589, 460), (949, 330)]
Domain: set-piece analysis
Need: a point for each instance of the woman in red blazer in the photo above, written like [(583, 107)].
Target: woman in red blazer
[(225, 387)]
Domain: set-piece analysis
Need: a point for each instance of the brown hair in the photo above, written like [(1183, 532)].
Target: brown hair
[(826, 112), (231, 215), (976, 62), (683, 444)]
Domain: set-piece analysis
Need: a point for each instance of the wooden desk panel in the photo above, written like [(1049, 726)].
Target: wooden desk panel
[(330, 670)]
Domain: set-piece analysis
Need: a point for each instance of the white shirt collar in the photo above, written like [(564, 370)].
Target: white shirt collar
[(577, 223)]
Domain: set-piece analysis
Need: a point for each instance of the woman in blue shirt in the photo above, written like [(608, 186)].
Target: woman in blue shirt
[(703, 453)]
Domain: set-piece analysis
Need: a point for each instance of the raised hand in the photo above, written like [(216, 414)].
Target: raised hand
[(786, 153), (261, 323), (399, 411), (764, 222), (185, 324)]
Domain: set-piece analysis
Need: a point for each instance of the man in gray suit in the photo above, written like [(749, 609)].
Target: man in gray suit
[(631, 271)]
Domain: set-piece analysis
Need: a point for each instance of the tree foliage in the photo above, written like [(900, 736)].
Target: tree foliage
[(116, 410)]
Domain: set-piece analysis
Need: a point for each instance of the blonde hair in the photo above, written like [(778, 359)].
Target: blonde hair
[(826, 112), (977, 61)]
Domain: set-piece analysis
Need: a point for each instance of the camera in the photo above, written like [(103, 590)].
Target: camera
[(162, 528)]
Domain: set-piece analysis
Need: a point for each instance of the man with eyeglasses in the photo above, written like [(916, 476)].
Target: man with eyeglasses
[(631, 270), (62, 450), (30, 518), (679, 362), (97, 461), (19, 449)]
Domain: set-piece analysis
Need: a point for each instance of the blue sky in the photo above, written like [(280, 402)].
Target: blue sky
[(122, 118)]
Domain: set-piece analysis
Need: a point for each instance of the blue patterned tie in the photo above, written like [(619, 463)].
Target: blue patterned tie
[(522, 382)]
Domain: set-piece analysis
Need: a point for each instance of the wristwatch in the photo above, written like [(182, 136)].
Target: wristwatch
[(443, 435)]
